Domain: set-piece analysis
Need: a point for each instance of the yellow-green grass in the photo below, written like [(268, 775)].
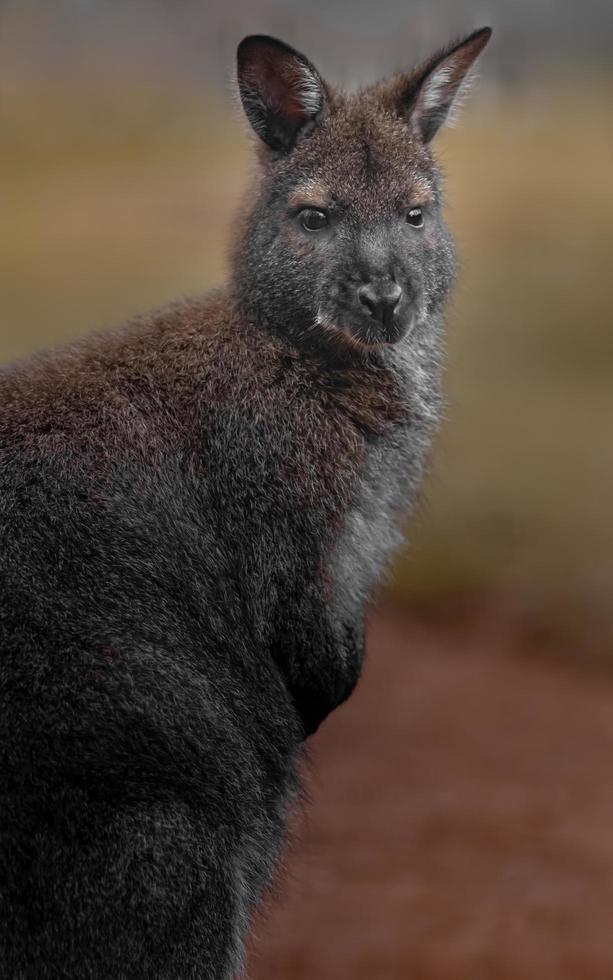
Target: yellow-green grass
[(115, 201)]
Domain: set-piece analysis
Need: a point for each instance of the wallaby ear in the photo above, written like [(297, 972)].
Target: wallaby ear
[(281, 91), (426, 96)]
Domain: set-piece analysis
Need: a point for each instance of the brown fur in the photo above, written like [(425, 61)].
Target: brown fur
[(194, 510)]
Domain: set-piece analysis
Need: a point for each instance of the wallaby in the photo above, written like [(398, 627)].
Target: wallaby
[(194, 510)]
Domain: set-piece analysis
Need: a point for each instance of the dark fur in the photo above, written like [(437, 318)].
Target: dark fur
[(193, 512)]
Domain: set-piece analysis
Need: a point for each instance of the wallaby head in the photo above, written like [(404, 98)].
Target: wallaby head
[(343, 237)]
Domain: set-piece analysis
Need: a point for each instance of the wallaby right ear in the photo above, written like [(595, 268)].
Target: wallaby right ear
[(282, 93), (425, 96)]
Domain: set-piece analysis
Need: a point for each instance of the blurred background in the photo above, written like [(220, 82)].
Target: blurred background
[(461, 823)]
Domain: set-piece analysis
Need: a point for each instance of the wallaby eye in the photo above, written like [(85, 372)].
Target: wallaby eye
[(313, 220), (415, 217)]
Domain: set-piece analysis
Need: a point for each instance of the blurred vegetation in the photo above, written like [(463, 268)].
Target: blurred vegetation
[(114, 200)]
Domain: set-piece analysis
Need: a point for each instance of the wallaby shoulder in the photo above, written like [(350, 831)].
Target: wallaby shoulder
[(174, 361)]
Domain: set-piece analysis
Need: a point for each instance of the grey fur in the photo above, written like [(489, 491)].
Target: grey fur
[(194, 510)]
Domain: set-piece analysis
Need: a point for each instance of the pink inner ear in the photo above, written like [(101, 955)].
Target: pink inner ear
[(278, 82)]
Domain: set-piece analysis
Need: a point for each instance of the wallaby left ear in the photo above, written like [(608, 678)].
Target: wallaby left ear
[(281, 91), (426, 96)]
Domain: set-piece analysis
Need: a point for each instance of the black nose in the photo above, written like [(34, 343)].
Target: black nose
[(381, 299)]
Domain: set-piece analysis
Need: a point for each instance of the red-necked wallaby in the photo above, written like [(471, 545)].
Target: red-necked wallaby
[(194, 510)]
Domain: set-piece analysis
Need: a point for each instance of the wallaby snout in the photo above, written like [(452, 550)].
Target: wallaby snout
[(375, 294), (381, 299), (390, 285)]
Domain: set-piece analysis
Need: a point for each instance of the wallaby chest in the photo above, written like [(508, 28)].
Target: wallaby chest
[(387, 481)]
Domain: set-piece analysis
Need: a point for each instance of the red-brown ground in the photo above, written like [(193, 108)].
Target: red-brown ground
[(460, 825)]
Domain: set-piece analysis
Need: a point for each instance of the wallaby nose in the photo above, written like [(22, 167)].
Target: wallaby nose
[(380, 299)]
